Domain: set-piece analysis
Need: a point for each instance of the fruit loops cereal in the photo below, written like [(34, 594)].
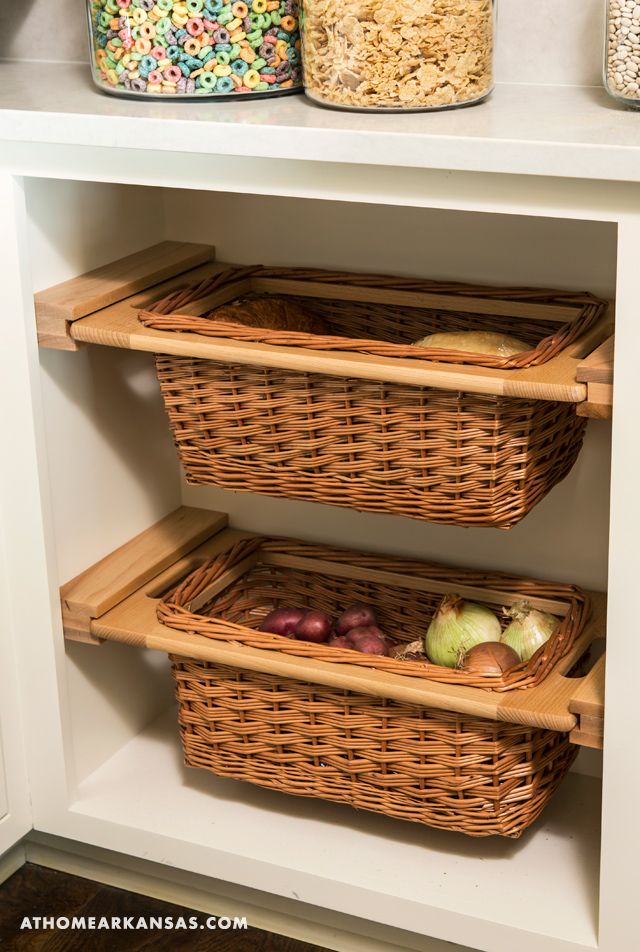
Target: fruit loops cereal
[(398, 54), (196, 47)]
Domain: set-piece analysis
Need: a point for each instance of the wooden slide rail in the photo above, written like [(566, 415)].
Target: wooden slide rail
[(116, 600), (596, 371), (101, 307)]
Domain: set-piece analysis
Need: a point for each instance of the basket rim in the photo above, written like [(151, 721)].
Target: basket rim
[(174, 609), (165, 314)]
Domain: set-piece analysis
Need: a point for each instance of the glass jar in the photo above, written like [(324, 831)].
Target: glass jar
[(622, 51), (398, 55), (195, 48)]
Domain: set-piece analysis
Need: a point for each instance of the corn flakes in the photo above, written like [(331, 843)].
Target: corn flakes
[(388, 54)]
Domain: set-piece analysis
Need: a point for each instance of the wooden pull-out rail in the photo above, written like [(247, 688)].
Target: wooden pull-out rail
[(57, 308), (596, 371), (116, 600), (102, 308), (121, 573)]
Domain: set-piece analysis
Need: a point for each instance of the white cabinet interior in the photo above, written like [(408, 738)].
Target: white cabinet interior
[(101, 740), (105, 483)]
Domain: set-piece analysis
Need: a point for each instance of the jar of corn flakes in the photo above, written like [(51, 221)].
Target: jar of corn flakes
[(191, 49), (397, 55)]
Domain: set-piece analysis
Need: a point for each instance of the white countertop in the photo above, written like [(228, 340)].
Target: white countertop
[(567, 131)]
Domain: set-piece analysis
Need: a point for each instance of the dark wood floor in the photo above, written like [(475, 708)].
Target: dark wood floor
[(36, 891)]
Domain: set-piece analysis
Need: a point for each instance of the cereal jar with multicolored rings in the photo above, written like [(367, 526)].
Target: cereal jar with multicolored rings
[(195, 48)]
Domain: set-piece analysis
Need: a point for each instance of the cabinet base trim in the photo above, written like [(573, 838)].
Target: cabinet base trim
[(290, 918)]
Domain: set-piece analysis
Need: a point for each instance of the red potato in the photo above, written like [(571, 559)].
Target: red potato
[(357, 615), (369, 640), (283, 621), (340, 641), (371, 645), (316, 626), (361, 631)]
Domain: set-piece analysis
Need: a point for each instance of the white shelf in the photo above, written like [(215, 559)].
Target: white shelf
[(568, 131), (475, 891)]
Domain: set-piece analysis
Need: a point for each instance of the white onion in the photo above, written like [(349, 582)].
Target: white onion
[(528, 630), (476, 342), (456, 627)]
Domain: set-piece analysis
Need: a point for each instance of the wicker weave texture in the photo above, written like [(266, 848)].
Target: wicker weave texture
[(432, 767), (454, 458), (277, 573)]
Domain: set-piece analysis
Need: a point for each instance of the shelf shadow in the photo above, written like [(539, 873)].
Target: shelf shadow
[(117, 392)]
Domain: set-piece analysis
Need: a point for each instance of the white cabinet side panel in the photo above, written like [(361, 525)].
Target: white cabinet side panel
[(111, 466), (621, 831), (18, 470), (13, 783)]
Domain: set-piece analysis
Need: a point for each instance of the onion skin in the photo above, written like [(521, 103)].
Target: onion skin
[(357, 615), (316, 626), (490, 658), (414, 651), (457, 627), (283, 621), (528, 630)]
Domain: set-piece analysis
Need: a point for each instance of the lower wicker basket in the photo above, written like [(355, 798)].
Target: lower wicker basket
[(444, 770), (435, 767)]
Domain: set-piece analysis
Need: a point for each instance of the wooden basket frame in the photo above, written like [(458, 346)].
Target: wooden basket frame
[(101, 307), (192, 309), (195, 605)]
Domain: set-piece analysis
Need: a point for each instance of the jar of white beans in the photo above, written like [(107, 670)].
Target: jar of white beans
[(622, 53)]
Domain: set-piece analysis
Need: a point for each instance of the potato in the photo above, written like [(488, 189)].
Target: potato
[(316, 626), (283, 621), (357, 615), (369, 640), (340, 641)]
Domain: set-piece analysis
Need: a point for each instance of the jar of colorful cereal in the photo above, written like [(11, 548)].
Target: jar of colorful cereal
[(195, 48), (398, 54)]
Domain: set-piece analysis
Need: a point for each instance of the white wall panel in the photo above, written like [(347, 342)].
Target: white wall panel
[(549, 41)]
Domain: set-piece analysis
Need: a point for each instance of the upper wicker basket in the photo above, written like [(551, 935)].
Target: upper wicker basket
[(279, 422)]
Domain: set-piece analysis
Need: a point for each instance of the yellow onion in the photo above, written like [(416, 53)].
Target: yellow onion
[(491, 657), (456, 627), (528, 630), (475, 342)]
